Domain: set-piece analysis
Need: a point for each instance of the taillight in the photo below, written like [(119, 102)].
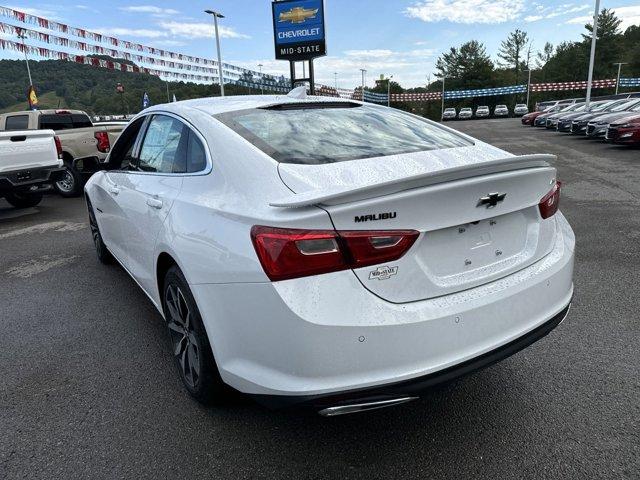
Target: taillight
[(56, 139), (103, 141), (291, 253), (550, 202)]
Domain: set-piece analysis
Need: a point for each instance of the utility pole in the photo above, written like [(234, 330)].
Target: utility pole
[(618, 80), (528, 87), (364, 72), (216, 16), (261, 84), (22, 36), (594, 35), (167, 83), (389, 91), (442, 112)]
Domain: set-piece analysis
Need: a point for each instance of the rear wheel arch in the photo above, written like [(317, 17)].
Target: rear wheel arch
[(164, 262)]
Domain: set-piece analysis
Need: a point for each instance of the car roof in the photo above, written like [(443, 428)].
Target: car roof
[(217, 105)]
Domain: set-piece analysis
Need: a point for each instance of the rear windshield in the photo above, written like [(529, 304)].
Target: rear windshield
[(64, 121), (319, 134)]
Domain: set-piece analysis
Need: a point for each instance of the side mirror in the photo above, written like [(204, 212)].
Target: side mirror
[(88, 164)]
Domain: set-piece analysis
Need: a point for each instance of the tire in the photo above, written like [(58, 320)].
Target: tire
[(190, 345), (23, 200), (104, 255), (71, 183)]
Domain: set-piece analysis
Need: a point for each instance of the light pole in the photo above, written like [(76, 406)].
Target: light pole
[(216, 16), (618, 80), (389, 91), (364, 72), (335, 77), (528, 86), (22, 36), (442, 112), (261, 84), (594, 35)]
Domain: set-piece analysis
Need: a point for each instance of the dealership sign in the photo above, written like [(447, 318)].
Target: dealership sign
[(298, 27)]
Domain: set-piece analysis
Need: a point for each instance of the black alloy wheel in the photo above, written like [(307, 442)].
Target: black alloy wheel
[(189, 342)]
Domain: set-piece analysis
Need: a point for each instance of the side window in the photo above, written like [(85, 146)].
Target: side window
[(122, 154), (196, 157), (17, 122), (81, 121), (164, 148)]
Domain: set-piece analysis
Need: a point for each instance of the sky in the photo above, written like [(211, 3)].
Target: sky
[(402, 38)]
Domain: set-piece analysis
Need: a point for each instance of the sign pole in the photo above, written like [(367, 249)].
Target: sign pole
[(312, 85)]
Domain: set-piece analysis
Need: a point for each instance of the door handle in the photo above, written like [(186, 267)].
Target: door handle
[(114, 190), (154, 203)]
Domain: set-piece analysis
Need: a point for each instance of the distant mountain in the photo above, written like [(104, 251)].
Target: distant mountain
[(93, 89)]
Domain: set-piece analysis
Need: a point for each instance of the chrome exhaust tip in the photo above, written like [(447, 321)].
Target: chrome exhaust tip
[(362, 407)]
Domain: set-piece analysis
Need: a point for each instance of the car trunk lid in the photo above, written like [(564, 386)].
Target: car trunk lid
[(476, 209)]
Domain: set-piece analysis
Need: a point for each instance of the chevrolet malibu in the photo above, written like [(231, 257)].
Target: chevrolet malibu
[(331, 254)]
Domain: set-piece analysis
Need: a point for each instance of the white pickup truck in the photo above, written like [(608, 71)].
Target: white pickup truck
[(30, 162), (84, 145)]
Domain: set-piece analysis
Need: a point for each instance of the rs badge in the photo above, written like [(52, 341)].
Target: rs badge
[(383, 273)]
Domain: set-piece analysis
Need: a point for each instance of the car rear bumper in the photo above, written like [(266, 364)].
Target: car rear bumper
[(415, 386), (316, 338), (31, 180)]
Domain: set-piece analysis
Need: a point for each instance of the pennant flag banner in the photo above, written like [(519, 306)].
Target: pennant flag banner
[(630, 82), (146, 102), (484, 92), (416, 97), (373, 97), (552, 87), (167, 58)]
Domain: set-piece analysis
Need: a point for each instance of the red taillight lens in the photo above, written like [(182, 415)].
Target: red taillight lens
[(373, 247), (103, 141), (550, 202), (56, 139), (292, 253)]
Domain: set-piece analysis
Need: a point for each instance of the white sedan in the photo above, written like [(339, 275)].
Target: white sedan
[(326, 253)]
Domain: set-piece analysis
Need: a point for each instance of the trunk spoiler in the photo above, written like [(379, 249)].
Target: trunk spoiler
[(339, 195)]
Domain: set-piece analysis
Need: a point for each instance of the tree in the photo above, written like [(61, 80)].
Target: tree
[(609, 46), (512, 49), (543, 57), (469, 64), (608, 26)]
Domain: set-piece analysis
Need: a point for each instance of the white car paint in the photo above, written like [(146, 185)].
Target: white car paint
[(348, 329), (27, 149)]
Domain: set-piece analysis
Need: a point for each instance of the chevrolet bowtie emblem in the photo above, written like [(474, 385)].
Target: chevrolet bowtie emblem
[(492, 199), (298, 15)]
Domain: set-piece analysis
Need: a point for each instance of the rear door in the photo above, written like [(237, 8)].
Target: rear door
[(147, 192)]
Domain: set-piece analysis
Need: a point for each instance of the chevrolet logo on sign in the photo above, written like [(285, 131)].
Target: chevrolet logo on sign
[(298, 15)]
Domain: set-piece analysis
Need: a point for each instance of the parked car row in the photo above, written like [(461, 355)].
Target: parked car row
[(483, 111), (616, 121)]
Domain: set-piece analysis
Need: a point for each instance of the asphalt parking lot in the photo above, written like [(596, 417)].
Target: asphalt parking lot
[(89, 389)]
